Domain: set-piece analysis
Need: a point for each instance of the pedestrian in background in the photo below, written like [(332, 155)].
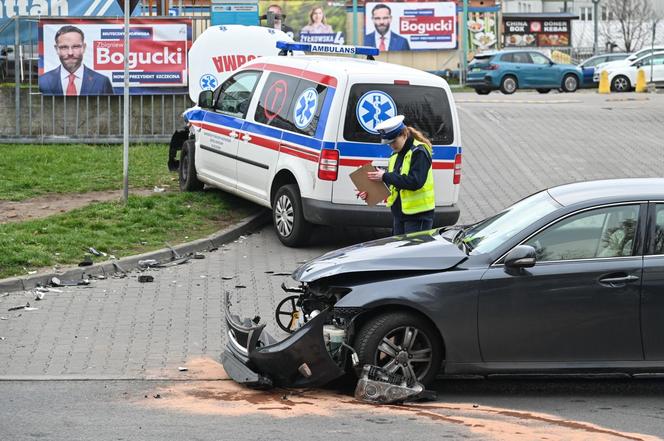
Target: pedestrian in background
[(409, 176)]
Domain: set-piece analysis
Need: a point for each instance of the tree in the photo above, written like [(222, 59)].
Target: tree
[(633, 18)]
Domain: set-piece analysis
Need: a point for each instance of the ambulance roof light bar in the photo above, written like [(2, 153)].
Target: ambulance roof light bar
[(287, 47)]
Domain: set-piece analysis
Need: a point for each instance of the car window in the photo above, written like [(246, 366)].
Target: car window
[(507, 58), (604, 232), (595, 61), (539, 58), (658, 60), (234, 95), (522, 58), (291, 103), (489, 234), (426, 108), (659, 230)]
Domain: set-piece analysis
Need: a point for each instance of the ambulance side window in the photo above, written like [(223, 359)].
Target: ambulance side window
[(291, 103), (275, 100), (234, 95)]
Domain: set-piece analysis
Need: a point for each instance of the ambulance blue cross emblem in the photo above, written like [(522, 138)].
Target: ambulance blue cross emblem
[(208, 82), (305, 108), (374, 107)]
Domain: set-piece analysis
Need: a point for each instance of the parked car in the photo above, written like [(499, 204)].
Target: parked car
[(568, 280), (29, 61), (510, 70), (589, 65), (624, 62), (623, 78)]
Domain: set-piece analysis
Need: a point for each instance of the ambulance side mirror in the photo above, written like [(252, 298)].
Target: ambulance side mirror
[(205, 99)]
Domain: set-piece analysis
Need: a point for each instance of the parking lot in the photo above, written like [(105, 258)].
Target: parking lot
[(512, 146)]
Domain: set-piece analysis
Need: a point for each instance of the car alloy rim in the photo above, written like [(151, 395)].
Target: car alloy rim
[(283, 215), (510, 85), (570, 83), (405, 351), (621, 84)]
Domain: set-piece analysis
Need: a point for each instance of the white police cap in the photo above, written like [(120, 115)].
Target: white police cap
[(390, 128)]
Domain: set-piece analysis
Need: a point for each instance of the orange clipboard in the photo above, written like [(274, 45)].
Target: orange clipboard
[(377, 191)]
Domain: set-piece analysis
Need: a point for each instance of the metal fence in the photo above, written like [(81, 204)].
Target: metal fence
[(28, 116)]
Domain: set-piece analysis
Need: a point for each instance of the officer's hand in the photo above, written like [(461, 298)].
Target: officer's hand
[(376, 175), (362, 195)]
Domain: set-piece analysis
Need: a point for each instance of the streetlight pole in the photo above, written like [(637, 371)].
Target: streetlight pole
[(595, 20), (464, 32)]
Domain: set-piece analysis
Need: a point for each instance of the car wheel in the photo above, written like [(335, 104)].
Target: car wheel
[(508, 85), (483, 91), (187, 169), (401, 343), (288, 215), (621, 84), (544, 90), (570, 83)]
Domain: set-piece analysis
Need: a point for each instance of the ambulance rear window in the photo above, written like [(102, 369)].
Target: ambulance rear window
[(425, 108)]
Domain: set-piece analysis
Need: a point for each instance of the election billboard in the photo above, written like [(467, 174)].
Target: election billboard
[(305, 20), (406, 26), (53, 8), (86, 56)]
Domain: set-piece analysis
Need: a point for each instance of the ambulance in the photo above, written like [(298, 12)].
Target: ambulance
[(285, 131)]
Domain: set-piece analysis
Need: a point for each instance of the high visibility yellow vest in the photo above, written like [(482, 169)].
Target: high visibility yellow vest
[(413, 201)]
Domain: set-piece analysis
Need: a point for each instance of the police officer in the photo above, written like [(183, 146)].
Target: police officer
[(409, 176)]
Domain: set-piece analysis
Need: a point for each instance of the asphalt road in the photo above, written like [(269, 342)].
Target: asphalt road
[(88, 363)]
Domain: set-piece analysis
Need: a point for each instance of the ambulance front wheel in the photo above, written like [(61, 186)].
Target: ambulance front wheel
[(289, 223), (187, 170)]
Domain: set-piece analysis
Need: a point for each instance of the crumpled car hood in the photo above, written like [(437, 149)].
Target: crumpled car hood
[(423, 251)]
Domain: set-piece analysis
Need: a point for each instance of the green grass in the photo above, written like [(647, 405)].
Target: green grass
[(28, 171), (143, 224)]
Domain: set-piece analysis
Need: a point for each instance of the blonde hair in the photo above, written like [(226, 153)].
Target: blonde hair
[(412, 131), (311, 15)]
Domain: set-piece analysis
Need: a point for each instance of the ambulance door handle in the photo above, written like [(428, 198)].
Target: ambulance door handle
[(233, 134), (246, 137)]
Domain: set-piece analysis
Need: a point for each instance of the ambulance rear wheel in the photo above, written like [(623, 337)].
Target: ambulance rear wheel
[(288, 215), (187, 170)]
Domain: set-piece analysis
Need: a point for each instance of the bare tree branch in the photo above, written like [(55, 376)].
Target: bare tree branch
[(632, 16)]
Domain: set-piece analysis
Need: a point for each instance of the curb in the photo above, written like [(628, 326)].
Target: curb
[(248, 224)]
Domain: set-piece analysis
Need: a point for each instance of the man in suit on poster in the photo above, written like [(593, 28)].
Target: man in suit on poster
[(383, 38), (72, 77)]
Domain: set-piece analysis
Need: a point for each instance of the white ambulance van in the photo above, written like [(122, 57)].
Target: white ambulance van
[(286, 131)]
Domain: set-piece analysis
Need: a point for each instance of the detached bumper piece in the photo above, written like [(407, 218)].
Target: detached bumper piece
[(380, 387), (255, 359)]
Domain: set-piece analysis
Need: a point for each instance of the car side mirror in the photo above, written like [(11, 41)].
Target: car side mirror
[(522, 256), (205, 99), (551, 63)]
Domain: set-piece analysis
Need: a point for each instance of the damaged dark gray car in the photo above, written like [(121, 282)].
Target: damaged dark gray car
[(566, 281)]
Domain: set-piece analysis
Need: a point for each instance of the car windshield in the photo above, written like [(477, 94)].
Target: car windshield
[(487, 235)]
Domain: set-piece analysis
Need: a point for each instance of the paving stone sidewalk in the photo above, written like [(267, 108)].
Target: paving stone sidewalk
[(120, 328)]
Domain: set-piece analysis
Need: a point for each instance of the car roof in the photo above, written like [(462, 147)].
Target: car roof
[(337, 66), (619, 189)]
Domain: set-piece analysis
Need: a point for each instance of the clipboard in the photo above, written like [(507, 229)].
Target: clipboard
[(377, 191)]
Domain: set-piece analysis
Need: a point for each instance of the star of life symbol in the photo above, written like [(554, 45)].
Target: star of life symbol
[(208, 82), (305, 108), (374, 107)]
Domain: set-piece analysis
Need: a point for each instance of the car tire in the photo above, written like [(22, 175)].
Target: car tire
[(509, 84), (288, 216), (390, 329), (621, 84), (544, 90), (483, 91), (187, 168), (570, 83)]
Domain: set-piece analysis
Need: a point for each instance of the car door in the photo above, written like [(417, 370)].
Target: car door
[(579, 303), (657, 69), (544, 73), (217, 158), (652, 306), (525, 69), (588, 68)]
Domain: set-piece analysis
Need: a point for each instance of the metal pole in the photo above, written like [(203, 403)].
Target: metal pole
[(125, 150), (595, 20), (464, 33), (652, 49), (17, 84), (355, 20)]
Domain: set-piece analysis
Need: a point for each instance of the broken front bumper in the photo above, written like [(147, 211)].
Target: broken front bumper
[(252, 357)]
